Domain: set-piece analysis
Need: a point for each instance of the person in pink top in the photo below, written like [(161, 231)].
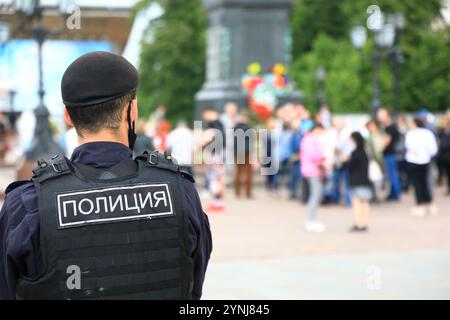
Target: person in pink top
[(312, 159)]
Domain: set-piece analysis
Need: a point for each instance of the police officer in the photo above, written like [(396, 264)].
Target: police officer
[(102, 225)]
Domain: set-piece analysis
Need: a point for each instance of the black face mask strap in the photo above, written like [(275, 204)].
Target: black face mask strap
[(131, 128)]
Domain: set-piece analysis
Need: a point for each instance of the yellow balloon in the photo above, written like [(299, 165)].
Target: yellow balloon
[(279, 69), (254, 68)]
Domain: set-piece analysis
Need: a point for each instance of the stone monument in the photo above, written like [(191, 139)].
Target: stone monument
[(240, 32)]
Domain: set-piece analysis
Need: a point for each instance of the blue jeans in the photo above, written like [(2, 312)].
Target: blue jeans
[(315, 196), (294, 179), (339, 175), (390, 162)]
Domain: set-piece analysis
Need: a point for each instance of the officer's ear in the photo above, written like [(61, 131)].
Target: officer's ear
[(134, 110), (67, 117)]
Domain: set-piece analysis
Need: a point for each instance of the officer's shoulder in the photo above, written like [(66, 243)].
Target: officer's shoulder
[(50, 168), (17, 187), (187, 176), (20, 193), (164, 161)]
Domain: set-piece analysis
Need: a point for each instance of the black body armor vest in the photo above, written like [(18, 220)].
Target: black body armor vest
[(111, 234)]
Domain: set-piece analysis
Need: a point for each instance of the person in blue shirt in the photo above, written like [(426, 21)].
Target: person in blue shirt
[(284, 155), (296, 176)]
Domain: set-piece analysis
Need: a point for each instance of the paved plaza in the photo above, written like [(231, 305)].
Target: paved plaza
[(262, 252)]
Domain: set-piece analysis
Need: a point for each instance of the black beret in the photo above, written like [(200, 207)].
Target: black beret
[(97, 77)]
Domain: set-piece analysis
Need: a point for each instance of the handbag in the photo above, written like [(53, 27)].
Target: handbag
[(375, 173)]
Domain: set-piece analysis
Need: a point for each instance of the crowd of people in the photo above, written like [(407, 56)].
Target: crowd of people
[(319, 160), (324, 160)]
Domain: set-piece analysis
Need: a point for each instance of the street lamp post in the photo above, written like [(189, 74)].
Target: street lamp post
[(396, 56), (384, 36), (30, 12), (376, 61), (321, 74)]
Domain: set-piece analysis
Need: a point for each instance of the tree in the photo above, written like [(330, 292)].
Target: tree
[(427, 77), (348, 81), (172, 61), (322, 39), (312, 17)]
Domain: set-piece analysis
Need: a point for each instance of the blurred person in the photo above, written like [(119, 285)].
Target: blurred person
[(160, 137), (296, 176), (375, 146), (154, 119), (242, 155), (400, 152), (3, 137), (25, 129), (343, 149), (444, 149), (229, 119), (324, 116), (421, 147), (428, 120), (181, 144), (299, 112), (360, 184), (230, 116), (306, 125), (214, 136), (329, 142), (284, 115), (312, 160), (284, 155), (143, 142), (391, 138), (271, 153), (211, 120), (375, 141)]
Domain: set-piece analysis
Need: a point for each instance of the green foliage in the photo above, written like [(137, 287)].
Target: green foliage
[(347, 86), (172, 63), (172, 60), (312, 17), (427, 75), (321, 39)]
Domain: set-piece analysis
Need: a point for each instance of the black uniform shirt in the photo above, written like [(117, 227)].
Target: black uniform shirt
[(19, 223)]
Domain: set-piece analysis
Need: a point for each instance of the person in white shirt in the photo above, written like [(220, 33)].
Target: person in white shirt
[(421, 147), (180, 142)]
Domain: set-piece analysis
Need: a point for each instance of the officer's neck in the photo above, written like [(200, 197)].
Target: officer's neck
[(103, 136)]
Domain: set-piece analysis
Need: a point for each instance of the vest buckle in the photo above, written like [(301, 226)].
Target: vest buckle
[(153, 159), (56, 168)]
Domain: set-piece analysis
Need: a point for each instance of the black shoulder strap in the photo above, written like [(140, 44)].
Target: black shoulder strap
[(48, 169), (164, 161), (159, 160)]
